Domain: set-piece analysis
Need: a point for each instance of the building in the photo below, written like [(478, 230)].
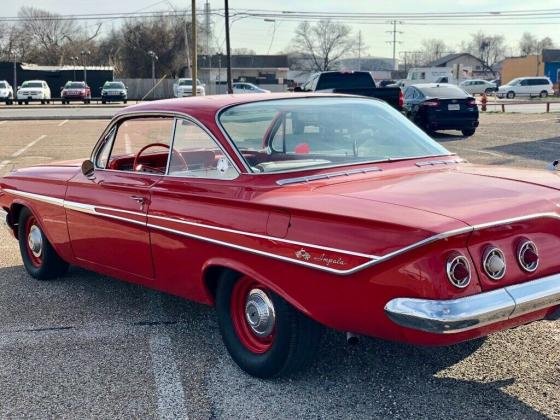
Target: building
[(463, 63), (268, 71), (551, 60), (528, 65), (56, 76)]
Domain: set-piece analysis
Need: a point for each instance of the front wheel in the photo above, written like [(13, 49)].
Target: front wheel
[(467, 132), (543, 94), (263, 333), (489, 91), (510, 95), (39, 257)]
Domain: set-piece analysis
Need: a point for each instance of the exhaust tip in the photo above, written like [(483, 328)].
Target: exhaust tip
[(352, 338)]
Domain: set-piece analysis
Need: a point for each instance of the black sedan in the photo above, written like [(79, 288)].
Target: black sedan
[(441, 106)]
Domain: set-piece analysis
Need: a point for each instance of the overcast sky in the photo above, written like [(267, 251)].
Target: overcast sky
[(257, 34)]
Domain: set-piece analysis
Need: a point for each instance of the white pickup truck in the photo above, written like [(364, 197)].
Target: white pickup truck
[(34, 90), (183, 88), (6, 92)]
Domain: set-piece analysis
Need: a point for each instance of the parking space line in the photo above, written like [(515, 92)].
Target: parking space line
[(33, 143), (4, 163), (169, 388), (3, 122), (62, 123), (483, 151)]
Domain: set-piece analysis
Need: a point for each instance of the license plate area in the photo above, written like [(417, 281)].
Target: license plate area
[(453, 107)]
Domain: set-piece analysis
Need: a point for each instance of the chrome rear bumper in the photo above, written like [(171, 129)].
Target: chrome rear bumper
[(463, 314)]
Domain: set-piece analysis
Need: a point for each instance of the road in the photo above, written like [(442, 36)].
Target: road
[(87, 346), (54, 112)]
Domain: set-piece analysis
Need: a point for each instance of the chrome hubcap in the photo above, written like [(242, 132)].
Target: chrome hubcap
[(259, 312), (35, 241)]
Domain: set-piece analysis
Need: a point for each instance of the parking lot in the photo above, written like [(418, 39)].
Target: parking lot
[(90, 346)]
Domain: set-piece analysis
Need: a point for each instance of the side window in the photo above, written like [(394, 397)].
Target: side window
[(524, 82), (196, 155), (314, 82), (141, 145), (409, 93), (105, 149)]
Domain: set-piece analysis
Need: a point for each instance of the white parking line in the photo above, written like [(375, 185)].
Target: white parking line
[(33, 143), (483, 151), (4, 163), (62, 123), (169, 388), (3, 122)]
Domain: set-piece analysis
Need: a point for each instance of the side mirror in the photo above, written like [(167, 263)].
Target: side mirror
[(88, 169), (19, 87), (298, 89)]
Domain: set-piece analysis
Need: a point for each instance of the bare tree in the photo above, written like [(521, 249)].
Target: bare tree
[(529, 44), (433, 49), (488, 48), (243, 51), (322, 45)]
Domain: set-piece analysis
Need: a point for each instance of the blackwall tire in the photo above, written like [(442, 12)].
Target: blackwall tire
[(39, 257), (291, 345)]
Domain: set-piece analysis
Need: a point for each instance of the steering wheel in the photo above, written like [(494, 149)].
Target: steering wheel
[(165, 146)]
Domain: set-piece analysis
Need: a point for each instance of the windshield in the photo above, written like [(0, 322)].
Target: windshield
[(74, 85), (513, 82), (303, 133), (113, 85), (188, 82), (3, 85), (32, 85)]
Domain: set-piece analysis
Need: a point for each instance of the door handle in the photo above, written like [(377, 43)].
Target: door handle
[(140, 200)]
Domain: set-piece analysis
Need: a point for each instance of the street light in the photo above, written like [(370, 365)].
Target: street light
[(154, 58), (85, 53), (14, 53), (74, 61)]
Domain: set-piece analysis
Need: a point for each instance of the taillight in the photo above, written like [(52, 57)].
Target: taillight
[(430, 103), (471, 102), (401, 99), (528, 256), (494, 263), (458, 270)]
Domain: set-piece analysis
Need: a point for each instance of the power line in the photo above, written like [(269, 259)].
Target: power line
[(394, 41)]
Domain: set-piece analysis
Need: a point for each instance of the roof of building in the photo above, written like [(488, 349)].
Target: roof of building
[(551, 55), (245, 61), (442, 61), (26, 66)]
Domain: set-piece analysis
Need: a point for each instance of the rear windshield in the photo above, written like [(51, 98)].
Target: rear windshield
[(32, 84), (450, 92), (3, 85), (75, 85), (113, 85), (335, 80), (185, 82)]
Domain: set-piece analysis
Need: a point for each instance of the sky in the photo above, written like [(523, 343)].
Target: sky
[(262, 36)]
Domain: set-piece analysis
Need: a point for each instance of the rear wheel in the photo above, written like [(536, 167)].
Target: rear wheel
[(489, 91), (467, 132), (510, 95), (262, 332), (543, 94), (19, 102), (39, 257)]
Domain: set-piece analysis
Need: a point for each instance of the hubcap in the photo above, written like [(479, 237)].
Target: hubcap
[(35, 241), (259, 312)]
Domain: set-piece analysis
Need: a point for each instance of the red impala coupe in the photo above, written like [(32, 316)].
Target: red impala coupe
[(293, 212)]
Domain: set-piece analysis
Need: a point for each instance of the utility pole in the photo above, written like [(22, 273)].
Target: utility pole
[(359, 50), (154, 58), (14, 87), (228, 49), (85, 53), (194, 49), (394, 41), (208, 35)]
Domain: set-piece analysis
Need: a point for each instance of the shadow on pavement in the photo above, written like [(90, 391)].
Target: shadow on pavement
[(545, 150)]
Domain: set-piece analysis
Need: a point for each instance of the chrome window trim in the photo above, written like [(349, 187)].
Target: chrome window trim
[(374, 259)]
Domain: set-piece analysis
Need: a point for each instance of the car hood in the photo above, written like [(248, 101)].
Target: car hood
[(469, 193)]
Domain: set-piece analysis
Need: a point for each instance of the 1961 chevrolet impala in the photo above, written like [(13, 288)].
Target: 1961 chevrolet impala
[(293, 212)]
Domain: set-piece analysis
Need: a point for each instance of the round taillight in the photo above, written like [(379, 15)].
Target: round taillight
[(528, 256), (494, 263), (458, 271)]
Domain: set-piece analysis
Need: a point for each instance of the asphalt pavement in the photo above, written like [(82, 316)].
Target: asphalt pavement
[(88, 346), (58, 112)]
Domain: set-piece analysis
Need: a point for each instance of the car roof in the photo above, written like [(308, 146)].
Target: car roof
[(198, 105), (34, 81), (432, 85)]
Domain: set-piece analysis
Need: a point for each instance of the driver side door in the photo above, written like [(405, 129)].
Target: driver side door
[(107, 214)]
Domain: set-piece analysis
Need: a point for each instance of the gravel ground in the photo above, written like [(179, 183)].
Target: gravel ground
[(88, 346)]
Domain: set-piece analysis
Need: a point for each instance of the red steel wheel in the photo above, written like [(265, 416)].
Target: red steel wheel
[(34, 241), (253, 315)]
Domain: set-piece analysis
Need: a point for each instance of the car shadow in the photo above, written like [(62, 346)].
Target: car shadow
[(545, 150), (443, 136), (372, 379)]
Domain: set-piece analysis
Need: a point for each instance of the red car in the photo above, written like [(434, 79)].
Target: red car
[(291, 212), (75, 91)]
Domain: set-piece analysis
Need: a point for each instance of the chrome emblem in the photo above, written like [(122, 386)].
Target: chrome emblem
[(494, 263), (302, 254)]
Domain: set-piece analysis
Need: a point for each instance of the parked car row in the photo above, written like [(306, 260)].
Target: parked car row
[(39, 91)]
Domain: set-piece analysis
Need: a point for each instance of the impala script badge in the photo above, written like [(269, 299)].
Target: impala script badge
[(323, 259)]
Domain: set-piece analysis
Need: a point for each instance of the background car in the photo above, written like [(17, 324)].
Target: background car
[(526, 86), (434, 106), (6, 92), (75, 91), (34, 91), (114, 92), (243, 87), (183, 88), (478, 86)]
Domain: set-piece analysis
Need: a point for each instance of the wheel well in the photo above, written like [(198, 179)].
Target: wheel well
[(15, 210), (211, 277)]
